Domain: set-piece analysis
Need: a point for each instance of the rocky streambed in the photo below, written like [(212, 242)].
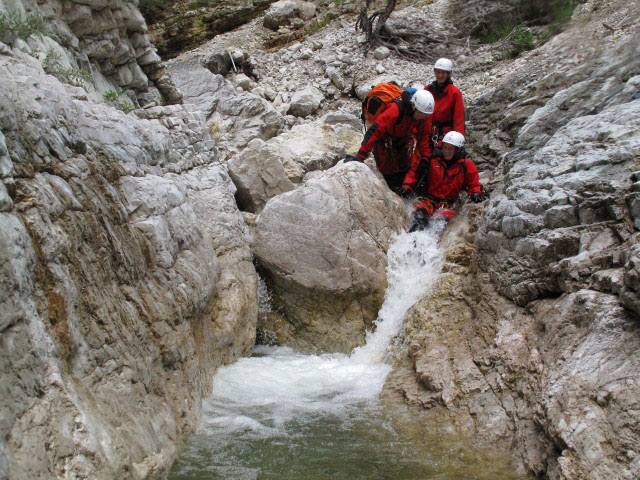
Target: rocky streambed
[(131, 240)]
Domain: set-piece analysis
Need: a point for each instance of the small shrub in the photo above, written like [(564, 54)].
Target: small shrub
[(498, 34), (112, 96), (521, 40), (71, 75), (319, 25), (198, 4), (125, 105), (75, 76), (14, 25)]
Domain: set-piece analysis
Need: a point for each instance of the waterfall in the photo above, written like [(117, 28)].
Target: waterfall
[(285, 382)]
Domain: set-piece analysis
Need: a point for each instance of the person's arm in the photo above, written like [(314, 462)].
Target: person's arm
[(421, 155), (472, 179), (458, 112), (383, 124)]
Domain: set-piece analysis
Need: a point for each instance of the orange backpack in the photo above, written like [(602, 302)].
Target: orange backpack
[(377, 100)]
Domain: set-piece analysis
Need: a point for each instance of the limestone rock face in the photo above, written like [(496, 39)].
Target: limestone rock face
[(555, 222), (125, 279), (556, 382), (176, 28), (234, 117), (531, 337), (103, 46), (323, 247)]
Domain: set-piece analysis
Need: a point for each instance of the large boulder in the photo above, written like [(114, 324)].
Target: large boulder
[(284, 12), (259, 175), (305, 102), (316, 146), (266, 169), (323, 248)]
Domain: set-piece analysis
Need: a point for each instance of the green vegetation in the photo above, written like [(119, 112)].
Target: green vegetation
[(561, 11), (498, 34), (521, 40), (148, 7), (113, 97), (319, 25), (198, 4), (14, 25), (71, 75)]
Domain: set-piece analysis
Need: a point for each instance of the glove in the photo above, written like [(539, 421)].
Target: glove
[(353, 158), (423, 166), (477, 197), (404, 192)]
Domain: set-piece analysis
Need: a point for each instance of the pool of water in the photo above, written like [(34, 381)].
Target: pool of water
[(281, 414)]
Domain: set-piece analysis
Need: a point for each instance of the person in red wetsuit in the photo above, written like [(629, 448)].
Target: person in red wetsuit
[(448, 112), (439, 180), (399, 136)]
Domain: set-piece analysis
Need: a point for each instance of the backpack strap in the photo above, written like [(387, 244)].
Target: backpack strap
[(404, 106)]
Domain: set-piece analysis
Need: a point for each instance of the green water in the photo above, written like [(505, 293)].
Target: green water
[(366, 441)]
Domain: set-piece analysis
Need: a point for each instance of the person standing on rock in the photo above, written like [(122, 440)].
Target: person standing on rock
[(399, 137), (439, 180), (448, 112)]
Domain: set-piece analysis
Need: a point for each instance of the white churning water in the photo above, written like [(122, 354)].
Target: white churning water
[(286, 383)]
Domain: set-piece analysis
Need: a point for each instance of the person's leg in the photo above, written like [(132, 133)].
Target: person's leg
[(424, 208), (395, 180)]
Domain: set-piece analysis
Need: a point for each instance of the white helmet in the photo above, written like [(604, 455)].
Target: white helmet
[(454, 138), (423, 101), (443, 64)]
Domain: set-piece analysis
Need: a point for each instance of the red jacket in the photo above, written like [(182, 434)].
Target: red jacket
[(444, 182), (389, 123), (449, 108)]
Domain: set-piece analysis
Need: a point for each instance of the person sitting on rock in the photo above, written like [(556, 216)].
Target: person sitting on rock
[(448, 112), (438, 181), (399, 135)]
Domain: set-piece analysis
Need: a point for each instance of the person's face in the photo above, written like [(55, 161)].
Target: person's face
[(441, 75), (418, 115), (448, 151)]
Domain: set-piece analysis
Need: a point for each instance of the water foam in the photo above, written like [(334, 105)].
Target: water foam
[(262, 393)]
